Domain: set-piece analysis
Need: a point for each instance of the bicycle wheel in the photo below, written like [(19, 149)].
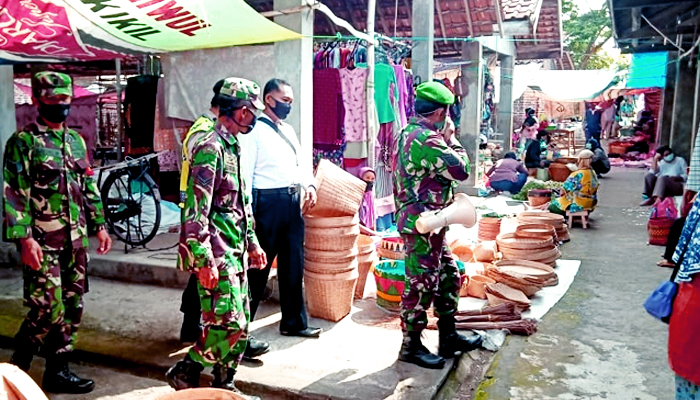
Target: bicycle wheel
[(132, 207)]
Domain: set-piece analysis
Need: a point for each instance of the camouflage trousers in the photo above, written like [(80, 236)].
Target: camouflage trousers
[(432, 278), (54, 295), (225, 317)]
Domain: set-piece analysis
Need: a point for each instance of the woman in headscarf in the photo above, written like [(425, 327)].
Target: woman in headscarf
[(600, 163), (580, 189), (684, 327), (368, 216)]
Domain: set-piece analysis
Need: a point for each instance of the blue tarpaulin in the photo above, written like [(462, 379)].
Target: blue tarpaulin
[(647, 70)]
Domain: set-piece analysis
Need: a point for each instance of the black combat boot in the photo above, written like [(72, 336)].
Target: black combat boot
[(413, 351), (58, 378), (224, 380), (452, 342), (191, 328), (185, 374)]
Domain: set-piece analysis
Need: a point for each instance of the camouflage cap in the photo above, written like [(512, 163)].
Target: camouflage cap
[(49, 83), (435, 92), (242, 89)]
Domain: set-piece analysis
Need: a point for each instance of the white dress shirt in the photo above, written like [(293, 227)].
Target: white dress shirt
[(270, 163)]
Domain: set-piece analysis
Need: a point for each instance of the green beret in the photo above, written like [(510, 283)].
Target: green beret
[(435, 92)]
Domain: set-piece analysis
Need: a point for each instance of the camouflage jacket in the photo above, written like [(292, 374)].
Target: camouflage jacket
[(217, 219), (427, 170), (50, 191)]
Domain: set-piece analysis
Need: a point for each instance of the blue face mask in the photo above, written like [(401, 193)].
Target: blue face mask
[(669, 157)]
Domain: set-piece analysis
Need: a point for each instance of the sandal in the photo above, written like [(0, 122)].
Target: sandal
[(665, 264)]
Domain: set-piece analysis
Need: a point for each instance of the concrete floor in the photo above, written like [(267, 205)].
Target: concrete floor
[(598, 342)]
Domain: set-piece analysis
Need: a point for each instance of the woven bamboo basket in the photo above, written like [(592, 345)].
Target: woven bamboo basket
[(331, 239), (367, 248), (330, 268), (559, 172), (363, 268), (489, 228), (510, 241), (202, 394), (392, 248), (477, 284), (338, 256), (339, 193), (329, 296), (330, 222), (536, 231), (538, 197)]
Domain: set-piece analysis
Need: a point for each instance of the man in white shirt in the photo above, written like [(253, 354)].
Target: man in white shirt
[(279, 181)]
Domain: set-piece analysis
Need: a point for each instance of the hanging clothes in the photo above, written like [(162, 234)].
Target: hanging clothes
[(329, 111), (355, 104), (385, 92), (384, 186), (402, 89)]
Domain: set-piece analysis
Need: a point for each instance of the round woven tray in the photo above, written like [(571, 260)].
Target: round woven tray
[(330, 268), (535, 231), (525, 267), (330, 222), (329, 296), (512, 242), (543, 255), (331, 239), (339, 193)]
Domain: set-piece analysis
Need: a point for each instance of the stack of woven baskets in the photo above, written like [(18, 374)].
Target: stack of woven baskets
[(555, 220), (330, 243), (515, 247), (489, 228)]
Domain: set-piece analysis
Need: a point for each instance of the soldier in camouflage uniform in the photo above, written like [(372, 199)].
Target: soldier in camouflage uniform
[(217, 229), (51, 202), (430, 165)]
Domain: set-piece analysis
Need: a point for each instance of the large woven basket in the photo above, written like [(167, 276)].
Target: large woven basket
[(338, 256), (329, 296), (330, 222), (330, 267), (658, 229), (489, 228), (331, 239), (339, 193), (559, 172), (367, 249)]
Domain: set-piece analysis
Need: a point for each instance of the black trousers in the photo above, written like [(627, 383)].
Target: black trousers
[(190, 299), (673, 237), (280, 230)]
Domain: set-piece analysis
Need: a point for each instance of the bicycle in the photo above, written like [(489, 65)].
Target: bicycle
[(131, 200)]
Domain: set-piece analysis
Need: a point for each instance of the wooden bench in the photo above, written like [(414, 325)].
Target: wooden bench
[(581, 214)]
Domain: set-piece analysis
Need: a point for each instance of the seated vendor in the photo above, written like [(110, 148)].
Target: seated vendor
[(666, 178), (508, 174), (579, 192), (533, 153), (600, 163)]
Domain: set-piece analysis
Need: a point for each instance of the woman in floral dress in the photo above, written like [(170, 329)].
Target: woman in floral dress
[(579, 192)]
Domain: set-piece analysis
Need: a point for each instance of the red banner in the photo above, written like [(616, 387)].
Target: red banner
[(38, 28)]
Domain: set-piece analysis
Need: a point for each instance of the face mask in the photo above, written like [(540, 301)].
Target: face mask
[(250, 126), (589, 146), (370, 185), (669, 158), (281, 109), (55, 113)]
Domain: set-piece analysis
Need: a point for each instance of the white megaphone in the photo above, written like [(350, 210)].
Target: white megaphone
[(461, 211)]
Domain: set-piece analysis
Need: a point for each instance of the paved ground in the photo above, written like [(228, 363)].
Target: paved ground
[(598, 342)]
